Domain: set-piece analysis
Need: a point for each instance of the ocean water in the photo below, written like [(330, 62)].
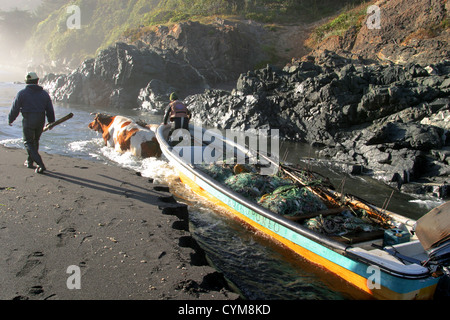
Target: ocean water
[(258, 268)]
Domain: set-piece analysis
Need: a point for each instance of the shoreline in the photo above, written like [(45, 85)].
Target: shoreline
[(85, 230)]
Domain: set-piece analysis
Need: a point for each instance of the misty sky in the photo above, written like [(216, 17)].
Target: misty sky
[(6, 5), (9, 72)]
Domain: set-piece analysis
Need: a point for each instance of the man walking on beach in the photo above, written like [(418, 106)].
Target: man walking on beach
[(35, 104)]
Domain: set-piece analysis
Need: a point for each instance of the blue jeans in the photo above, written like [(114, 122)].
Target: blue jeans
[(33, 126)]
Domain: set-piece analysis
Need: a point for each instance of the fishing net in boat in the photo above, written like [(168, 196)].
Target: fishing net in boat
[(342, 223), (276, 193), (253, 186), (282, 196), (219, 172), (292, 200)]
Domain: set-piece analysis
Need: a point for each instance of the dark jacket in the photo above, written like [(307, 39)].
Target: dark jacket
[(32, 98)]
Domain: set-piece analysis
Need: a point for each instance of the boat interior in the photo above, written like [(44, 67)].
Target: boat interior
[(371, 245)]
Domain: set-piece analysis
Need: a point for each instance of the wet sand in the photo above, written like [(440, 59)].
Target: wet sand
[(86, 230)]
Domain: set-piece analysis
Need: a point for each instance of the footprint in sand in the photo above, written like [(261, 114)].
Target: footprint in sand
[(63, 235), (31, 263), (36, 290)]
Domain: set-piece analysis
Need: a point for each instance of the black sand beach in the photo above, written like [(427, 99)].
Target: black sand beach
[(124, 233)]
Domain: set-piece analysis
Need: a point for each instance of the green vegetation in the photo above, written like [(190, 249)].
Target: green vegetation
[(351, 16)]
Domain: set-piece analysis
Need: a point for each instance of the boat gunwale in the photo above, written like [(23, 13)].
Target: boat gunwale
[(336, 246)]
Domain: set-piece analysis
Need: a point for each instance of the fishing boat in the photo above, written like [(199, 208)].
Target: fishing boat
[(399, 259)]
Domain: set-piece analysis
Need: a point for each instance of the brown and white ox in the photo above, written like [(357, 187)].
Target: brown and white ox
[(125, 135)]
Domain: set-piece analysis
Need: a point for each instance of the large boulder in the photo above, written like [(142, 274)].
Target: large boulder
[(113, 79)]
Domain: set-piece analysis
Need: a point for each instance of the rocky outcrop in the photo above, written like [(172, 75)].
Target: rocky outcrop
[(187, 57), (387, 120), (113, 78)]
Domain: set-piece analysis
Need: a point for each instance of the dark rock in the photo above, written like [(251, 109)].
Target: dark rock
[(408, 135), (113, 79)]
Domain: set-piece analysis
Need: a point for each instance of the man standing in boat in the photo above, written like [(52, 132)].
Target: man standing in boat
[(35, 104), (178, 113)]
